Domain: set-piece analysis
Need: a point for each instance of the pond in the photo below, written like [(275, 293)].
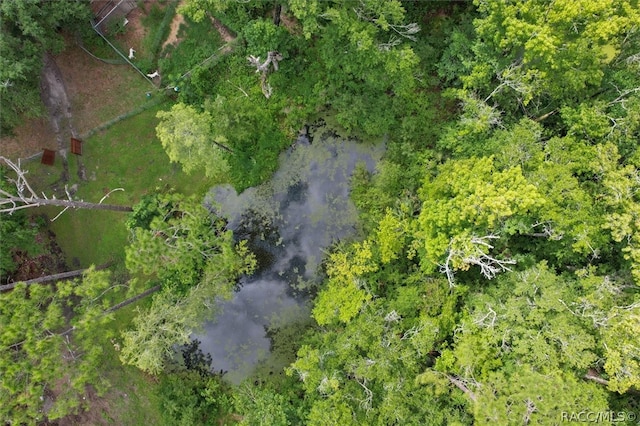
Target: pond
[(290, 222)]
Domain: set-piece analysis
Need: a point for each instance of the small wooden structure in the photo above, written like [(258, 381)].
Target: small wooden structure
[(76, 146), (48, 157)]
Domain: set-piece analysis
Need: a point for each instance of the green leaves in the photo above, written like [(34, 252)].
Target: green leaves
[(546, 49), (168, 322), (470, 199), (530, 396), (621, 348), (45, 358), (346, 291), (187, 138), (191, 252), (180, 239), (518, 337)]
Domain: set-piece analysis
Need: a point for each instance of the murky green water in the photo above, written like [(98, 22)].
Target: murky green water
[(289, 222)]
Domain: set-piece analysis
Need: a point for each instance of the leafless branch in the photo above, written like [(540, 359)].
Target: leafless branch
[(26, 197), (393, 41), (103, 198), (622, 94), (462, 386), (531, 408), (60, 214), (407, 30), (367, 401), (239, 88), (474, 253), (392, 316), (488, 320)]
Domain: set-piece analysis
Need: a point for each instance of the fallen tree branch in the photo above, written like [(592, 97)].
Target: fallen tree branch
[(133, 299), (460, 385), (53, 277)]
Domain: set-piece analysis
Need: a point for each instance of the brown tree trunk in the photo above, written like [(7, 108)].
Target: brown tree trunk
[(133, 299), (276, 14), (53, 277), (460, 385), (226, 148)]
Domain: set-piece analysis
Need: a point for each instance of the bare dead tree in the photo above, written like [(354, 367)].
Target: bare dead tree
[(27, 197), (474, 252), (273, 58)]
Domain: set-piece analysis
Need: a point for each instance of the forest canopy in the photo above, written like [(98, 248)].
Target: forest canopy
[(495, 276)]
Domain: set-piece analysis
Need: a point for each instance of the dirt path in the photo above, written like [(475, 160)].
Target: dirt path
[(54, 96), (178, 20)]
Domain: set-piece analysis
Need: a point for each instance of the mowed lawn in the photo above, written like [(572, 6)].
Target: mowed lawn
[(127, 155)]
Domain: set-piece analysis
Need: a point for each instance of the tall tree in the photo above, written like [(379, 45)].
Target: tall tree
[(187, 138), (30, 28), (189, 250), (51, 340), (468, 206), (547, 50)]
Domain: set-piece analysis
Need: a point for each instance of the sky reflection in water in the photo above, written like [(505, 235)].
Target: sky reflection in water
[(288, 222)]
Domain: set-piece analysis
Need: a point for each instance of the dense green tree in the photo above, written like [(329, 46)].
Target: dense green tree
[(190, 393), (51, 341), (186, 136), (188, 249), (468, 206), (364, 371), (28, 29), (179, 242), (547, 50), (262, 406)]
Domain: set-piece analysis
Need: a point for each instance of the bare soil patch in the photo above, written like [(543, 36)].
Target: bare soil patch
[(96, 91), (178, 20), (135, 31), (226, 34), (34, 135)]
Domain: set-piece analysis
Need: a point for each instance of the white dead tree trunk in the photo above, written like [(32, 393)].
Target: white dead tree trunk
[(263, 67), (464, 254), (26, 197)]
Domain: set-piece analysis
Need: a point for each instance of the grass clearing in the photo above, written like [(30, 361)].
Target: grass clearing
[(199, 41), (127, 155)]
